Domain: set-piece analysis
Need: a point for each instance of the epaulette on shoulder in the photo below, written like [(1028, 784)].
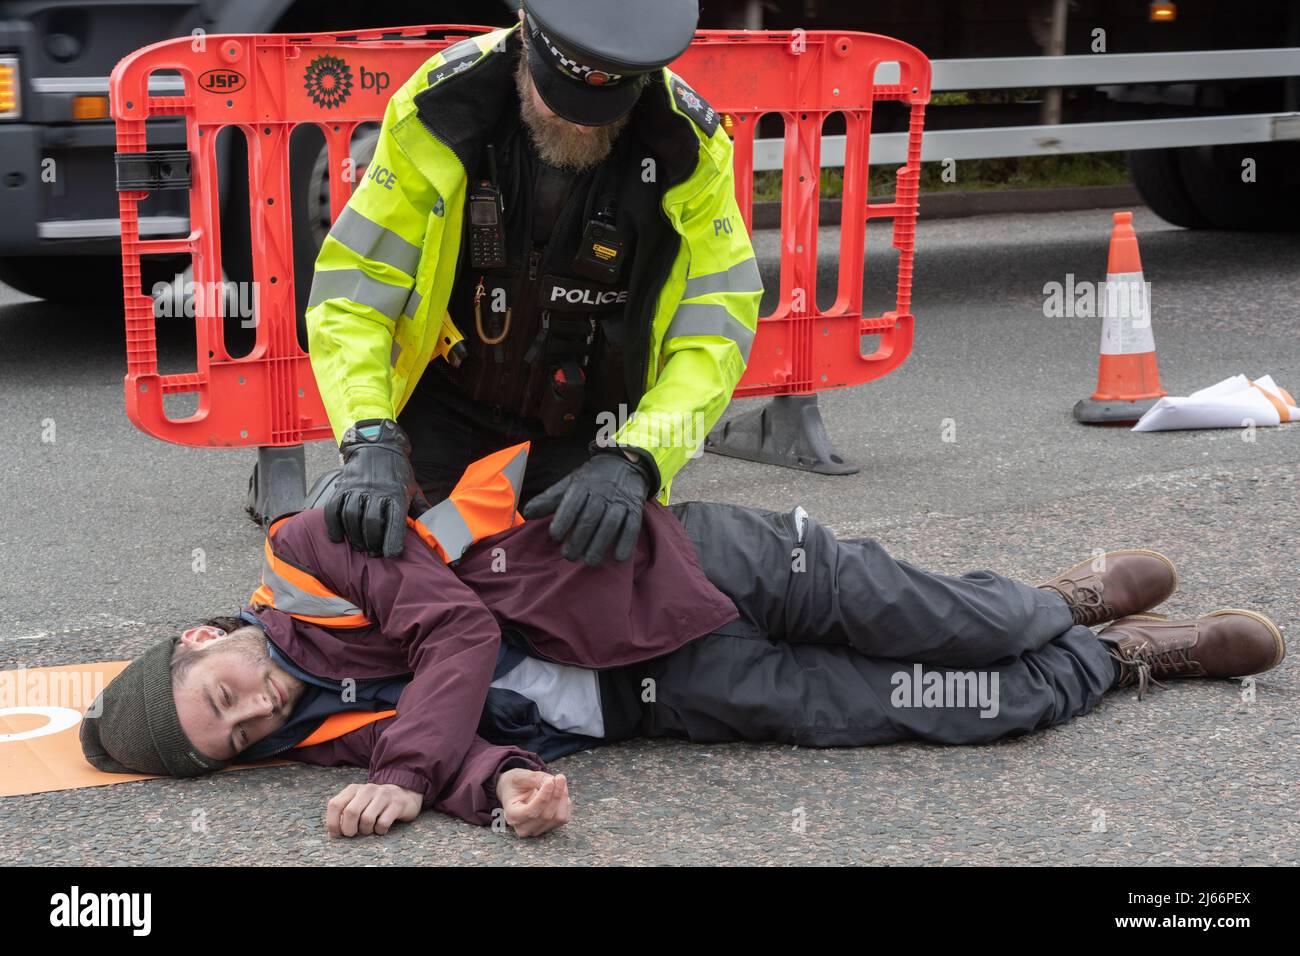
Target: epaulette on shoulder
[(458, 58), (692, 104)]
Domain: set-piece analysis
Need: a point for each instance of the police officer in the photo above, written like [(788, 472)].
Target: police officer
[(545, 247)]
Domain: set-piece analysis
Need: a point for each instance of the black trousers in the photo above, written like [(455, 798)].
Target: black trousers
[(448, 433), (839, 644)]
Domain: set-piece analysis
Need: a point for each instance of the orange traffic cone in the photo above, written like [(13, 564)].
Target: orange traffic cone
[(1128, 382)]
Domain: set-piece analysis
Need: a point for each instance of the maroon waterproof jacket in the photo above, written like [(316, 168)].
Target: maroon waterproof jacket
[(442, 624)]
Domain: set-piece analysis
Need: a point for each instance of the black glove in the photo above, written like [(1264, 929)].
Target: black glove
[(601, 502), (376, 489)]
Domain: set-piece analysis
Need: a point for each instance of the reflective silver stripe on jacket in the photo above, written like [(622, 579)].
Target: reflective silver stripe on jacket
[(742, 277), (514, 472), (447, 525), (370, 240), (412, 303), (291, 599), (708, 318), (355, 286)]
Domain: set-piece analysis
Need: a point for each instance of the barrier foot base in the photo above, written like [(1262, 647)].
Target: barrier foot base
[(278, 484), (1091, 411), (788, 431)]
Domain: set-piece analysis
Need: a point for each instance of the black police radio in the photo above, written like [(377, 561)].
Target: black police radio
[(487, 238)]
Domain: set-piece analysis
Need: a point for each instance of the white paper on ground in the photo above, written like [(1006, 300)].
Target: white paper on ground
[(1232, 403)]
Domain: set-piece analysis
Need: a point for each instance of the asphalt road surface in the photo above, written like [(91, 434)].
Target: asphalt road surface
[(98, 531)]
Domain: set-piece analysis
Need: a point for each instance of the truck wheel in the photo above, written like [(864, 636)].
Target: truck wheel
[(79, 280), (1265, 200), (1159, 180), (311, 208), (364, 141), (68, 280)]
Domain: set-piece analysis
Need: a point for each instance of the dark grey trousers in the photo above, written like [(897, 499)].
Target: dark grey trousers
[(838, 644)]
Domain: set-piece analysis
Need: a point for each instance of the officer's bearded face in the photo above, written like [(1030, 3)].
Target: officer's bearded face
[(556, 140)]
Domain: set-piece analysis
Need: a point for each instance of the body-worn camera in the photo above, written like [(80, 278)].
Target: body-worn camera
[(600, 253)]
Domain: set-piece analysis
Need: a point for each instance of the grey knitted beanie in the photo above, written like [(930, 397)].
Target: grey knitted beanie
[(136, 728)]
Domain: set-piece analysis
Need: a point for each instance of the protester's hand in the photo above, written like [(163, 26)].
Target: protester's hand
[(366, 808), (534, 802), (599, 504), (375, 490)]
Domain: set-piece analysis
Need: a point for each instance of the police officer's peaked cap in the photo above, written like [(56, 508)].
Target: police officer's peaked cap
[(587, 56)]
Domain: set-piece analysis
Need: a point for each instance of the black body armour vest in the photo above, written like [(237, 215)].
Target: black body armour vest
[(544, 342)]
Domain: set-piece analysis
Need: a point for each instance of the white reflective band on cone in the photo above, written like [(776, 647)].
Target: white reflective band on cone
[(1126, 310)]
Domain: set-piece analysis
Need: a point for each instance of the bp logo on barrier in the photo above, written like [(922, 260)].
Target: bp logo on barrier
[(328, 81)]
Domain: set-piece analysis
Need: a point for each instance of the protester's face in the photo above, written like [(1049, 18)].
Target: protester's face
[(556, 140), (232, 695)]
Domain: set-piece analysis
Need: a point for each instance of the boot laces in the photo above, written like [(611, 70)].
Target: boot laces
[(1143, 661), (1087, 602)]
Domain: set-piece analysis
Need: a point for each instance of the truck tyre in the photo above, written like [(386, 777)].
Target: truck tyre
[(309, 207), (79, 280), (236, 236), (49, 278), (1266, 200), (1159, 181), (364, 141)]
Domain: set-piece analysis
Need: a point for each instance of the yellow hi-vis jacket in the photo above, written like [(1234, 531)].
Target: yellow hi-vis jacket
[(377, 314)]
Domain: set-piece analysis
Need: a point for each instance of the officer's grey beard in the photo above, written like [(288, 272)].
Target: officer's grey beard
[(556, 140)]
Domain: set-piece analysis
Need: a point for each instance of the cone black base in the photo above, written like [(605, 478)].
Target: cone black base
[(1091, 411)]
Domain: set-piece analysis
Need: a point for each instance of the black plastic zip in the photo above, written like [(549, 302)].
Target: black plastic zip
[(153, 170)]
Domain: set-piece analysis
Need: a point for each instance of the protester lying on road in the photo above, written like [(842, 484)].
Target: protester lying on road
[(455, 671)]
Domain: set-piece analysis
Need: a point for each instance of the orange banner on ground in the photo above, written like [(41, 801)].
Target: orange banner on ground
[(40, 720)]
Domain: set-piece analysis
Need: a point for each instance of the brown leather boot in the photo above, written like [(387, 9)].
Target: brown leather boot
[(1224, 643), (1135, 580)]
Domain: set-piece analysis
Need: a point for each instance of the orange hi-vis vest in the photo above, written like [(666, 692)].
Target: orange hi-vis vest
[(484, 502)]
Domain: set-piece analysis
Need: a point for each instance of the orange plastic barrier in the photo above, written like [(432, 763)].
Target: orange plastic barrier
[(268, 84)]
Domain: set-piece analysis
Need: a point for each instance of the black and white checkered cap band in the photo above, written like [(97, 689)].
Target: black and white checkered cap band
[(579, 72)]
